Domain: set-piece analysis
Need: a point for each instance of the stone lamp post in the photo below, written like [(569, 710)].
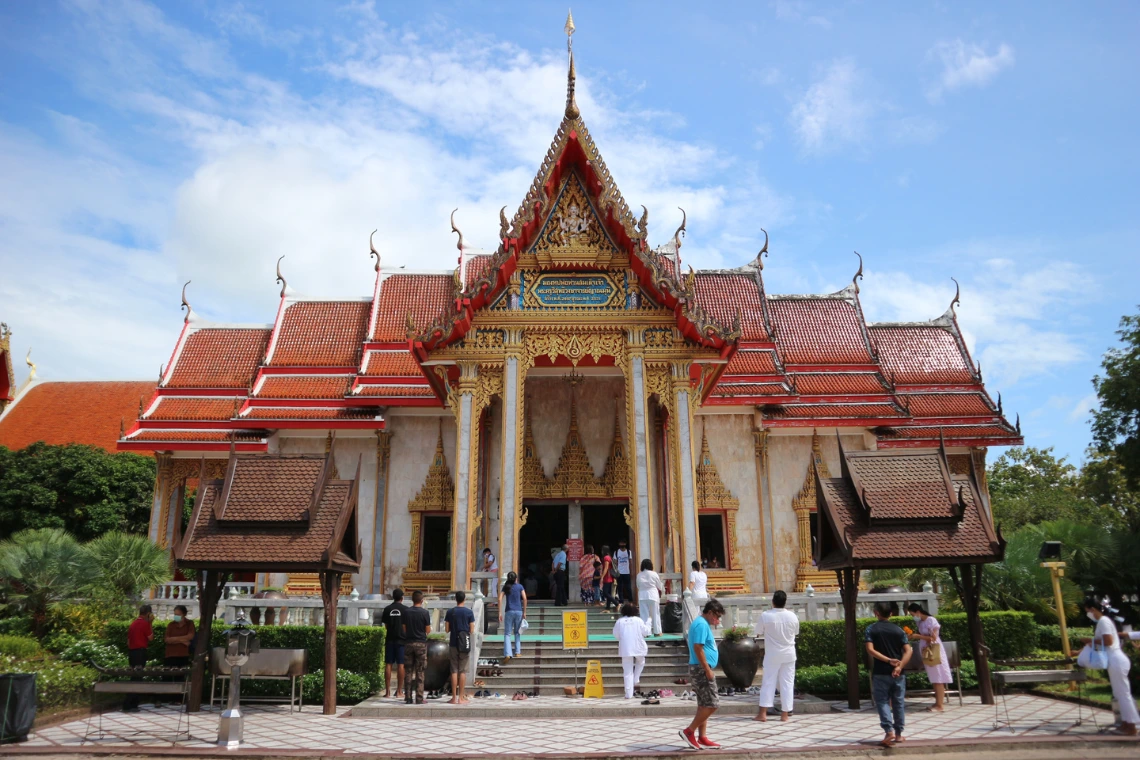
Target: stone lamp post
[(241, 642)]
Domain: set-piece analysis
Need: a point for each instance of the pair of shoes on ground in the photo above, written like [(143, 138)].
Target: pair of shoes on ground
[(753, 690), (682, 681), (521, 696), (728, 691), (687, 695), (696, 742), (490, 660), (487, 694)]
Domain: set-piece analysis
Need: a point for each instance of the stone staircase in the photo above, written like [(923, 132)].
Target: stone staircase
[(545, 667)]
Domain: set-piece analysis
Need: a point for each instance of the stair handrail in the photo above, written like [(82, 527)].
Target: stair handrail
[(689, 610), (478, 608)]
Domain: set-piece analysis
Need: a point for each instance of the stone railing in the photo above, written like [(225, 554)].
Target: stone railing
[(188, 590)]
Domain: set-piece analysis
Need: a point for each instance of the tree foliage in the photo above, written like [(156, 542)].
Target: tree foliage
[(120, 566), (82, 489), (39, 570), (1116, 424), (1030, 485)]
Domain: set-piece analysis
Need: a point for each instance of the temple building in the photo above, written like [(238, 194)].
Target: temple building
[(578, 383)]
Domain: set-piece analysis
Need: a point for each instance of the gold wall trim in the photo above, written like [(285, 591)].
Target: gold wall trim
[(804, 504)]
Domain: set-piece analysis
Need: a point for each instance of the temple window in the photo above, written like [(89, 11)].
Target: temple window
[(712, 540), (436, 554)]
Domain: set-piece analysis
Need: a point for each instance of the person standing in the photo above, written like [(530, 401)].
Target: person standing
[(703, 657), (417, 626), (607, 578), (393, 620), (491, 565), (888, 645), (929, 634), (649, 591), (139, 635), (780, 627), (1118, 665), (623, 560), (179, 635), (458, 622), (699, 583), (512, 609), (586, 574), (631, 632), (561, 589)]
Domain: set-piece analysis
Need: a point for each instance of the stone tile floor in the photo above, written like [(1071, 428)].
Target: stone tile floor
[(274, 729)]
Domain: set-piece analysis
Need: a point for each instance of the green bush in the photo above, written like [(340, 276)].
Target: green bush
[(58, 684), (350, 687), (1007, 634), (1049, 637), (17, 625), (86, 651), (831, 680), (57, 641), (20, 647)]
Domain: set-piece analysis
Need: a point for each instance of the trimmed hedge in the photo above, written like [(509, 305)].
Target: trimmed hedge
[(20, 647), (359, 648), (1008, 635), (831, 680), (1049, 637)]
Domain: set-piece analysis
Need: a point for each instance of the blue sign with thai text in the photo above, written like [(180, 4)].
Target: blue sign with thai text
[(553, 290)]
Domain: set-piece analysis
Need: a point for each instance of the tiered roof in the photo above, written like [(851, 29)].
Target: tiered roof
[(86, 412)]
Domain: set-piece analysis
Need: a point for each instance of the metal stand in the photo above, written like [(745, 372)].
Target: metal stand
[(231, 724)]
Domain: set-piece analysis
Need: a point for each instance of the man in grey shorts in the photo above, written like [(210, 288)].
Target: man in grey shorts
[(703, 657)]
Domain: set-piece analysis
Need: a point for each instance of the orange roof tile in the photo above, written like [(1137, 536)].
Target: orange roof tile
[(391, 364), (321, 334), (747, 362), (751, 389), (819, 331), (950, 431), (920, 354), (947, 405), (475, 267), (196, 436), (219, 357), (854, 411), (394, 390), (73, 412), (838, 383), (294, 413), (180, 408), (425, 296), (310, 386), (272, 489), (722, 294)]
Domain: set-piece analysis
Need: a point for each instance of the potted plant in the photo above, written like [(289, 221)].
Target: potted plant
[(438, 670), (740, 656)]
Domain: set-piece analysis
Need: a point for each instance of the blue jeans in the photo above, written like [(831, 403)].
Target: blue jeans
[(890, 692), (512, 619)]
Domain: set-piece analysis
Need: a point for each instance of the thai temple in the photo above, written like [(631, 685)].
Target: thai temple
[(580, 383)]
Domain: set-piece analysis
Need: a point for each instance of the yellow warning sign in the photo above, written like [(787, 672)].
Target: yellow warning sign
[(574, 632), (594, 686)]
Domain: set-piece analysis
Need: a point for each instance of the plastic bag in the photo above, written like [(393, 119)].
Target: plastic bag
[(1093, 657), (523, 625)]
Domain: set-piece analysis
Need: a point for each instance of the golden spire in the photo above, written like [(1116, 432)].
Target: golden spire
[(572, 111)]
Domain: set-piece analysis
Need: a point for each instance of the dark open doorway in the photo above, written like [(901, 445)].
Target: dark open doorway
[(604, 525), (545, 528)]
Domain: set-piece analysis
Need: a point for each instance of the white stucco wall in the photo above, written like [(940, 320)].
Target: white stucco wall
[(548, 403)]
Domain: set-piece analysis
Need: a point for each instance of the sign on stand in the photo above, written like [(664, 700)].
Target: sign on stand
[(575, 635), (574, 549)]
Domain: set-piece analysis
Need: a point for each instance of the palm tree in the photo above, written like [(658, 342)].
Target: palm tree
[(39, 570), (122, 565)]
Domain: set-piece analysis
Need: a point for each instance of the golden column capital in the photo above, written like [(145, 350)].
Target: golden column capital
[(760, 442)]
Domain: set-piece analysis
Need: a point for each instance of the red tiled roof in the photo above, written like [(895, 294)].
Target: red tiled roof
[(267, 489), (309, 386), (818, 331), (920, 354), (722, 294), (392, 391), (747, 362), (424, 295), (475, 267), (947, 405), (292, 413), (903, 486), (59, 413), (951, 431), (838, 383), (196, 436), (391, 364), (219, 357), (180, 408), (751, 389), (321, 333), (833, 410)]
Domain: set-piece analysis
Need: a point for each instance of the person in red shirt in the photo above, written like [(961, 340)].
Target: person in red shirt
[(139, 635)]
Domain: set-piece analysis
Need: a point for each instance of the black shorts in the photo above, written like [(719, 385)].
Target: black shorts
[(393, 653)]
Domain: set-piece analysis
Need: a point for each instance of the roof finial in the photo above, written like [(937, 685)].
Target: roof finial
[(1018, 424), (999, 402), (455, 229), (504, 225), (32, 367), (858, 275), (185, 303), (572, 111), (643, 222), (677, 239), (461, 272), (957, 300), (763, 250), (373, 251), (280, 278)]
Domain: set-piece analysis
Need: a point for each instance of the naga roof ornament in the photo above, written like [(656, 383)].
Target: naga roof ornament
[(281, 278), (858, 275), (956, 301), (186, 304), (373, 251)]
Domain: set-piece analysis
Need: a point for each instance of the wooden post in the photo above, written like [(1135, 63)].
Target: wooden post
[(330, 592), (211, 583), (849, 591), (969, 585)]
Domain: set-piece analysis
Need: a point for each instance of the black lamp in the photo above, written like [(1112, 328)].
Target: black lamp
[(1050, 551)]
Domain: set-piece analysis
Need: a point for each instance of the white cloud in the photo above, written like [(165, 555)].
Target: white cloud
[(834, 111), (966, 65), (1083, 408)]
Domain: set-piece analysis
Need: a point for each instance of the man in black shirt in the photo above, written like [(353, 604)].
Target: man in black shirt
[(888, 646), (458, 622), (393, 620), (417, 626)]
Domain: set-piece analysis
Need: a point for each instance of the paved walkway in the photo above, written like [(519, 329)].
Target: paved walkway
[(274, 730)]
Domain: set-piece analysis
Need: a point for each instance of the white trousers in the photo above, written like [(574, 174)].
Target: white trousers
[(778, 674), (631, 666), (650, 612), (494, 587), (1118, 667)]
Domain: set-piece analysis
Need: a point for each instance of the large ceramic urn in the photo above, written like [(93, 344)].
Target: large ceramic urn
[(438, 665), (739, 660)]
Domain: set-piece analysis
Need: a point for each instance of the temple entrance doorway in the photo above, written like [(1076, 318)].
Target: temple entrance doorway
[(546, 527), (604, 525)]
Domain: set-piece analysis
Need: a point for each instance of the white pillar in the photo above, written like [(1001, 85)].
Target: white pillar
[(460, 562), (508, 482), (685, 451), (641, 456)]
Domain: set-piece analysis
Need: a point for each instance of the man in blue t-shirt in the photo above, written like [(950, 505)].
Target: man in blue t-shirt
[(458, 622), (888, 646), (703, 657)]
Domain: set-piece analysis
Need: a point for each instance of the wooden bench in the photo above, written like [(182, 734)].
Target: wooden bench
[(179, 687), (1004, 678)]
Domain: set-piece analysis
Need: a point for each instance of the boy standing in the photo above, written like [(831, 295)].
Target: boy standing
[(393, 620), (888, 645)]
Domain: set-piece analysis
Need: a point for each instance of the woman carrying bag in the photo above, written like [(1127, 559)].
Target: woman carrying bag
[(1118, 664), (930, 647)]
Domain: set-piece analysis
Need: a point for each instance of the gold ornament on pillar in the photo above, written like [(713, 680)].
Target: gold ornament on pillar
[(804, 504)]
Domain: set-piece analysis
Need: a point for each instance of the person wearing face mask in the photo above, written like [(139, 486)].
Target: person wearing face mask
[(179, 635), (1118, 665), (928, 634)]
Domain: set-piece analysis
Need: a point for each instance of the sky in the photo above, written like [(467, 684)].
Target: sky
[(143, 145)]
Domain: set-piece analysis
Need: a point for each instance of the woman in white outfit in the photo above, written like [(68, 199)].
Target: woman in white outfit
[(699, 584), (631, 632), (780, 627), (1118, 665), (649, 591)]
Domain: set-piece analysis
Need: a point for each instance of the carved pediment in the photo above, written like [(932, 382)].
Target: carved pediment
[(711, 490), (573, 234), (574, 476), (437, 494)]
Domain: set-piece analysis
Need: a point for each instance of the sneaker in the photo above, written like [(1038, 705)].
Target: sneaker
[(707, 743), (689, 738)]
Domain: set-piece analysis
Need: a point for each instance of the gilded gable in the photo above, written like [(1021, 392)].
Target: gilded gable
[(573, 234)]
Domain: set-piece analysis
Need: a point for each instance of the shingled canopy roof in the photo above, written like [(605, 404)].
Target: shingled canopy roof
[(274, 514), (903, 508)]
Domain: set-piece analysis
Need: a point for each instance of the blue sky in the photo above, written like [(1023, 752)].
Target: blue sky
[(145, 145)]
